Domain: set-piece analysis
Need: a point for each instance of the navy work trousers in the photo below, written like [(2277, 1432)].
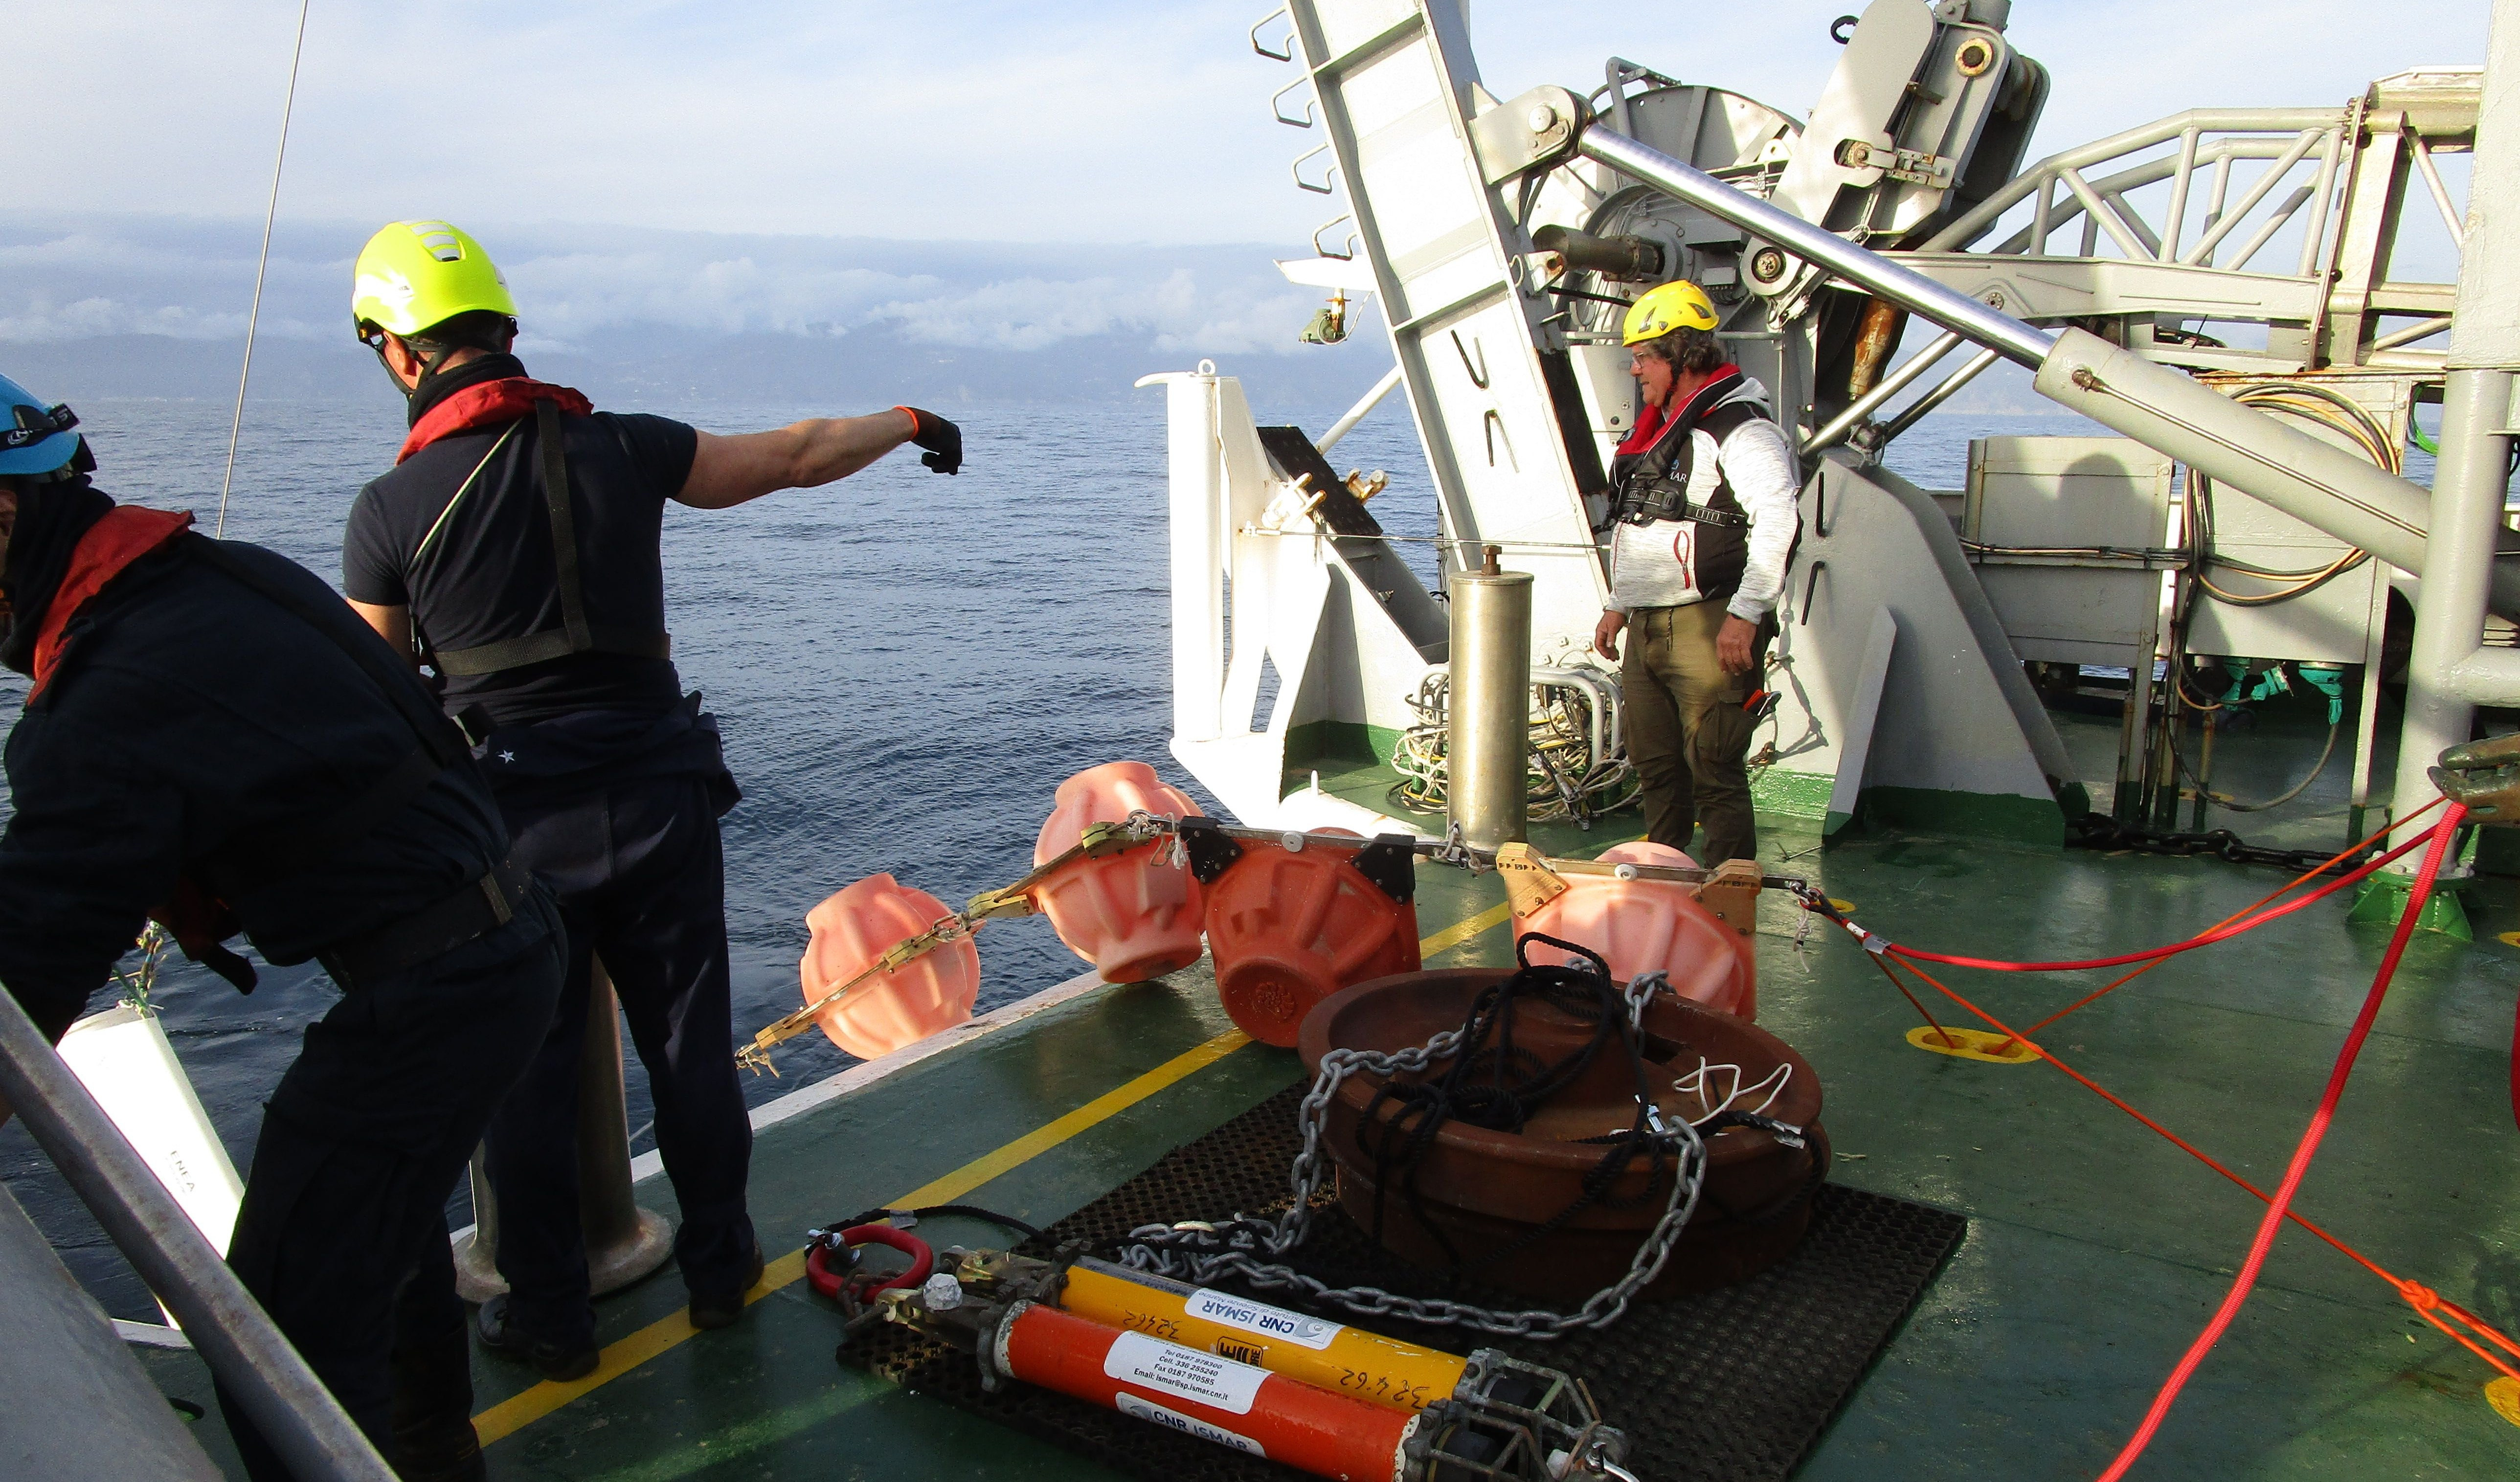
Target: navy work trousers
[(640, 884), (342, 1234)]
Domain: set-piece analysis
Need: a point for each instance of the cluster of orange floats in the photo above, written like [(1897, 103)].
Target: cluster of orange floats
[(1137, 882)]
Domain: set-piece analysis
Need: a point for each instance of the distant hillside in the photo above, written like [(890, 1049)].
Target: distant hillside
[(156, 306)]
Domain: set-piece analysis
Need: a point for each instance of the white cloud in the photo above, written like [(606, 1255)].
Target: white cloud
[(978, 121), (1175, 313), (43, 319), (572, 295), (193, 280)]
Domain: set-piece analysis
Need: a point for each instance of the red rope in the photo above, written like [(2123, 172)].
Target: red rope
[(2427, 1303), (2289, 886), (2201, 939), (2439, 838)]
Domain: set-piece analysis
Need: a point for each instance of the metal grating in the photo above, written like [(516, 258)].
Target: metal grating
[(1728, 1386)]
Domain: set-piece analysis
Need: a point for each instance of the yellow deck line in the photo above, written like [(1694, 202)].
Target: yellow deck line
[(1463, 930), (521, 1410)]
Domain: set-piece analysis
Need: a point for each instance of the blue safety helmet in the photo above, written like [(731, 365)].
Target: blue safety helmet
[(36, 440)]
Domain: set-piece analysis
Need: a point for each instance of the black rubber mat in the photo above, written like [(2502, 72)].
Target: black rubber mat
[(1733, 1384)]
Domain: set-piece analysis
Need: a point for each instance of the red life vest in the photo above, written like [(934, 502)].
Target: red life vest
[(125, 534), (487, 405)]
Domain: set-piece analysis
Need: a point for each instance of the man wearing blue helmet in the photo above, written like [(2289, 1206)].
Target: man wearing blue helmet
[(213, 737)]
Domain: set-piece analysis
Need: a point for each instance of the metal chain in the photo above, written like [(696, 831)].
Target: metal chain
[(2098, 830), (1249, 1247)]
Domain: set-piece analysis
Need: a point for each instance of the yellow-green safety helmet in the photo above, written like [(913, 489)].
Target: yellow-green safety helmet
[(1679, 304), (417, 273)]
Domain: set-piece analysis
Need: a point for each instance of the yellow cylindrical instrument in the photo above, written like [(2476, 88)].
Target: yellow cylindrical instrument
[(1331, 1355)]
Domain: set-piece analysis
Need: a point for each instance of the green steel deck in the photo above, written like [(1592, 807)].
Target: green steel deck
[(2095, 1252)]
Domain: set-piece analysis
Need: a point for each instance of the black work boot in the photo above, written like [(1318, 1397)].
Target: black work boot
[(551, 1360), (432, 1409), (719, 1309)]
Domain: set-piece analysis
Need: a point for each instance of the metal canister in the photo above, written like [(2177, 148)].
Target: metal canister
[(1489, 707)]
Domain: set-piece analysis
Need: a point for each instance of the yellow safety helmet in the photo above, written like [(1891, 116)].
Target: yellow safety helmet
[(1679, 304), (416, 273)]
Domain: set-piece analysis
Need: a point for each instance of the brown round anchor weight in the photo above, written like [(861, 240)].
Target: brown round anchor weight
[(1480, 1192)]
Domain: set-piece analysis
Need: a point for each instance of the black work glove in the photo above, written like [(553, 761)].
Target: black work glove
[(941, 439)]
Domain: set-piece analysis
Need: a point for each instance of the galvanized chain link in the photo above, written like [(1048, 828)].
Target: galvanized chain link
[(2096, 831), (1250, 1248)]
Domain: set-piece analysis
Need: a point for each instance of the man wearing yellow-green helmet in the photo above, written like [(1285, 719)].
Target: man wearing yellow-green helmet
[(1704, 520), (513, 550)]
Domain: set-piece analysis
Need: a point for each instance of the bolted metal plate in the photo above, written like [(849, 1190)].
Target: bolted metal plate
[(1732, 1385)]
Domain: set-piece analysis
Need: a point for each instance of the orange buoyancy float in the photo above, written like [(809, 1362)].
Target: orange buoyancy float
[(1648, 925), (1135, 915), (1293, 921), (905, 1004)]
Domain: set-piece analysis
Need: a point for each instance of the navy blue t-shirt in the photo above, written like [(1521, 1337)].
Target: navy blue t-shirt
[(482, 571)]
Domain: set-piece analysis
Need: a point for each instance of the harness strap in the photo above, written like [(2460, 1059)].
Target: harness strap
[(575, 635), (434, 929), (1650, 498), (550, 644), (563, 527), (270, 855)]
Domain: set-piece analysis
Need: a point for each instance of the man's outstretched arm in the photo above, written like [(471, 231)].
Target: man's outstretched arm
[(729, 471)]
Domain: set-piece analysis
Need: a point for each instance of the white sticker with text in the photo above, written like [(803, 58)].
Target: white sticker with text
[(1219, 1383), (1230, 1311), (1148, 1410)]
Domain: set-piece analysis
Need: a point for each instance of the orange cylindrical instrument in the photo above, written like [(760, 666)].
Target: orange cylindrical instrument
[(1202, 1394), (1362, 1366)]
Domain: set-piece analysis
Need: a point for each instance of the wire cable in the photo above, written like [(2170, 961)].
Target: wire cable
[(2226, 801), (254, 315)]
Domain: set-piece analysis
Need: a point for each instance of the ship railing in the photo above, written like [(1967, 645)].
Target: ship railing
[(2348, 166), (2285, 136), (252, 1358)]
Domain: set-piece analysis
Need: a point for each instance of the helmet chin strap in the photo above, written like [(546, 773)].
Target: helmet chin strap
[(427, 371)]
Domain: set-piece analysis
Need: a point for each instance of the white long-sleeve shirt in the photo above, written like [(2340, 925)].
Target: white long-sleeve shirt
[(1653, 566)]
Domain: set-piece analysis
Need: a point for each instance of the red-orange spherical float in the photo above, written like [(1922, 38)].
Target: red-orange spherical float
[(1293, 921), (891, 1009), (1134, 915), (1648, 925)]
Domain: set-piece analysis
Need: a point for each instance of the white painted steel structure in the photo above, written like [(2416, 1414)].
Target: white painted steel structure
[(1897, 670)]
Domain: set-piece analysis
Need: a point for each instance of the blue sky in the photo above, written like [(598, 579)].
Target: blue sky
[(966, 119), (1107, 172)]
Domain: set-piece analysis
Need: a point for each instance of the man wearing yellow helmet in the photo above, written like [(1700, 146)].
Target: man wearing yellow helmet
[(515, 551), (1705, 518)]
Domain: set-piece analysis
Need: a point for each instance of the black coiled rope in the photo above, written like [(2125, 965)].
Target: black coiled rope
[(1492, 1082)]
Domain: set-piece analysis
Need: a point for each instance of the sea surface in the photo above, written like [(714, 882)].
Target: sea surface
[(904, 667)]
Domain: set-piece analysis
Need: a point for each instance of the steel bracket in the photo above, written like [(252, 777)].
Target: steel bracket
[(1390, 861), (1211, 850), (1533, 131)]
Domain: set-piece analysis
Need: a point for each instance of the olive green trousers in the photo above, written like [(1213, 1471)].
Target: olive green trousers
[(1687, 735)]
